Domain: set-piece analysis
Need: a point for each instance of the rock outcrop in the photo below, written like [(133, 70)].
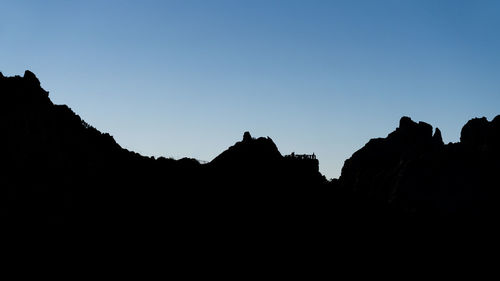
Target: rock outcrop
[(413, 171), (480, 133), (375, 169), (257, 152), (257, 162)]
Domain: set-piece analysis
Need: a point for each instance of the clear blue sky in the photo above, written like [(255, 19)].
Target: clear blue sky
[(187, 78)]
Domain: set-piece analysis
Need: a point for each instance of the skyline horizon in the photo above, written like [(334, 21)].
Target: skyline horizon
[(315, 76), (203, 161)]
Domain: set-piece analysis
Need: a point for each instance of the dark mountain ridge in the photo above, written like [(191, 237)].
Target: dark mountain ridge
[(60, 169), (61, 166), (415, 171)]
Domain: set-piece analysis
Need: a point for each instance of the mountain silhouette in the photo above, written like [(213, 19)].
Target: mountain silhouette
[(257, 162), (60, 169), (414, 171)]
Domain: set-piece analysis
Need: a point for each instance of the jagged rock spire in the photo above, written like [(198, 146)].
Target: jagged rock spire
[(437, 137)]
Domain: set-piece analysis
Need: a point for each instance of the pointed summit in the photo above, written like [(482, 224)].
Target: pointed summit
[(437, 137), (31, 77)]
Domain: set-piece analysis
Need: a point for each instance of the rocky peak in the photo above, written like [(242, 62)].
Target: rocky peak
[(475, 131), (249, 150), (479, 131), (421, 132), (412, 132), (31, 78), (19, 90), (438, 139), (405, 122), (408, 126)]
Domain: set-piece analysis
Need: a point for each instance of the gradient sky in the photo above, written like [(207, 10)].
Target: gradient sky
[(187, 78)]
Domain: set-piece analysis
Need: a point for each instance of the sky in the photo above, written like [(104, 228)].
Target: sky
[(187, 78)]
